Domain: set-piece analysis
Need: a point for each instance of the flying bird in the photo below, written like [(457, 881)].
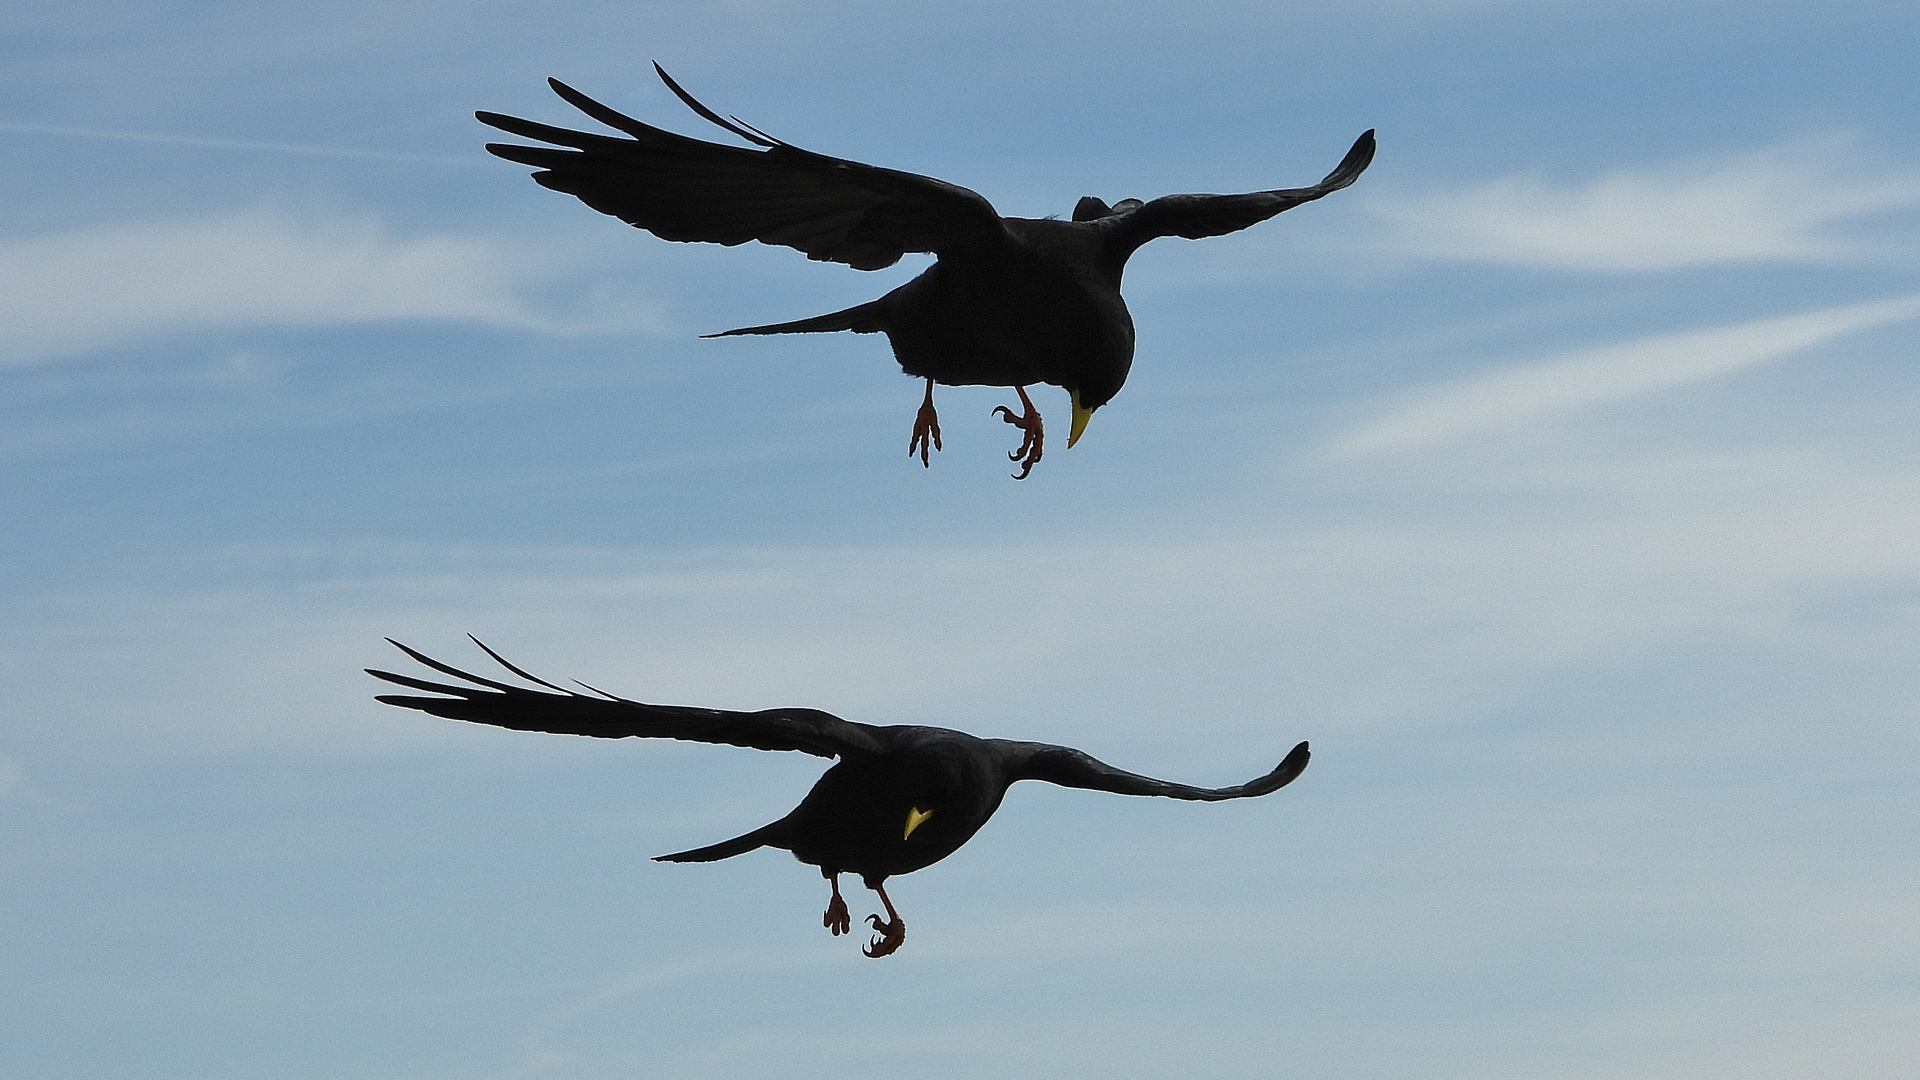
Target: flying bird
[(899, 799), (1008, 301)]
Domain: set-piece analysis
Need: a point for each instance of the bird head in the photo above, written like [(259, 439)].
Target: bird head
[(1081, 414), (927, 787), (1095, 389)]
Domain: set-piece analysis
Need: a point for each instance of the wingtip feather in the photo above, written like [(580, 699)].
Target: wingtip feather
[(708, 114), (502, 661), (1359, 156), (447, 669), (1292, 766)]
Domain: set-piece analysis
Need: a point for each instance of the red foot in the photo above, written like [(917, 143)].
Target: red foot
[(1035, 434), (889, 936), (836, 919), (926, 426)]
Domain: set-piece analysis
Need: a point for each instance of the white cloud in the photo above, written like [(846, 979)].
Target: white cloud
[(1287, 629), (1606, 659), (306, 150), (1783, 204), (116, 284), (1610, 373)]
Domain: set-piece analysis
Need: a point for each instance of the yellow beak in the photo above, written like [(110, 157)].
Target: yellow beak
[(915, 816), (1080, 418)]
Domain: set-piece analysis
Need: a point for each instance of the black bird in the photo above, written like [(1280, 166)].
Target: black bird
[(1008, 302), (899, 799)]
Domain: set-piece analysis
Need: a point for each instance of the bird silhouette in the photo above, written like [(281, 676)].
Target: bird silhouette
[(1008, 301), (899, 798)]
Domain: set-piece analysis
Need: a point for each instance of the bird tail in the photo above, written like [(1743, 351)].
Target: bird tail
[(861, 319), (774, 835)]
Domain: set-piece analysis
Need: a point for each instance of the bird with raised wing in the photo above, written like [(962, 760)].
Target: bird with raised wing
[(898, 799), (1008, 301)]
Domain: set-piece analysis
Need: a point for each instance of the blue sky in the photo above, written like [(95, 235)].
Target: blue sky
[(1559, 481)]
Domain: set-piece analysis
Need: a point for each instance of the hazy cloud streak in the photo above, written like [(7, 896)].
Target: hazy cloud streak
[(116, 284), (1782, 204), (1593, 376), (255, 145)]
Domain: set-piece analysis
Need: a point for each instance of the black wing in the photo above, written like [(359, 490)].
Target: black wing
[(683, 189), (1071, 768), (1194, 216), (809, 731)]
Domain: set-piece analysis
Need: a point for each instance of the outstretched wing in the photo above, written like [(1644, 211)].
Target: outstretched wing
[(1071, 768), (567, 712), (683, 189), (1194, 216)]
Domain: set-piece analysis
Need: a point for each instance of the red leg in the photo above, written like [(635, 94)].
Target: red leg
[(836, 918), (1029, 422), (891, 933), (926, 427)]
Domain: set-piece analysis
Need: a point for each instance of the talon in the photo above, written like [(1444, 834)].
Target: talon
[(1029, 423), (836, 919), (926, 429), (888, 936)]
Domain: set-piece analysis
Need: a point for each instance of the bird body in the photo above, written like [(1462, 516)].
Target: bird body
[(1008, 302), (899, 799), (1042, 311), (1047, 311), (851, 821)]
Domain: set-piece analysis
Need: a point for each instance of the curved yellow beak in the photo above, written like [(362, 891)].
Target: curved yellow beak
[(915, 816), (1081, 415)]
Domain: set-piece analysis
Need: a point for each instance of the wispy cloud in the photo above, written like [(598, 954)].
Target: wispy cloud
[(1285, 630), (112, 285), (1784, 204), (244, 145), (1610, 373)]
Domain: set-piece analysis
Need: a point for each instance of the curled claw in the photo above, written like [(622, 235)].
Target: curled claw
[(1034, 433), (926, 429), (1007, 414), (836, 919), (888, 936)]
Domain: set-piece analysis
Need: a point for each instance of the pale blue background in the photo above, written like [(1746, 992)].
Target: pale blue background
[(1560, 481)]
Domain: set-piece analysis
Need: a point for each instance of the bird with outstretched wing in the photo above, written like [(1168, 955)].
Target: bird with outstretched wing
[(1008, 301), (898, 799)]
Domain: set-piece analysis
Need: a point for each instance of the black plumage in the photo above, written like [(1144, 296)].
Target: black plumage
[(899, 798), (1008, 302)]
